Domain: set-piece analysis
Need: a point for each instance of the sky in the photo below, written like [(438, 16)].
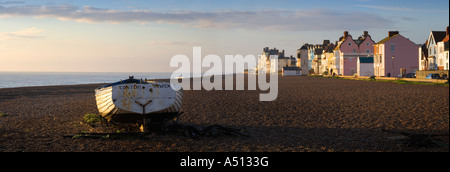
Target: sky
[(143, 35)]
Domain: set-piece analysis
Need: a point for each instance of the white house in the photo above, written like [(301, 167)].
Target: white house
[(303, 59), (434, 63), (442, 52), (423, 57), (273, 61)]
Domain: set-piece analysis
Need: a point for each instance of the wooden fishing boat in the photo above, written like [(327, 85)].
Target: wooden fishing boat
[(130, 98)]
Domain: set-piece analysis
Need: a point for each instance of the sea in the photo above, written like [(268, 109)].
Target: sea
[(31, 79)]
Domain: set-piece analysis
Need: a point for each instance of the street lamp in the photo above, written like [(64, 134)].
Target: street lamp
[(393, 65)]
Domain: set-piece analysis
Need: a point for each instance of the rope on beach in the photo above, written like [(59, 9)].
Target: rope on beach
[(211, 131)]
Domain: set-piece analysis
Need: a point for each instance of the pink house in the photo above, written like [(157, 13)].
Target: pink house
[(395, 56), (348, 50)]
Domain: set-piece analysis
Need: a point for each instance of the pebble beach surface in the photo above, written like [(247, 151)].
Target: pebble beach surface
[(311, 114)]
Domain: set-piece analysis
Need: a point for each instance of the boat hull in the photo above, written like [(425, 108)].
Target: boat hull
[(129, 100)]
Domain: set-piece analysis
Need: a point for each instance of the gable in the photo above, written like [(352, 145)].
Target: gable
[(431, 41), (367, 43), (348, 45), (435, 37), (400, 38), (369, 40)]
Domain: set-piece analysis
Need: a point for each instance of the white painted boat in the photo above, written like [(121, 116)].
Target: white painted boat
[(133, 97)]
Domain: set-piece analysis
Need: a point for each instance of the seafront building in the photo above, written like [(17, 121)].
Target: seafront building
[(310, 57), (316, 62), (395, 56), (434, 55), (327, 55), (442, 52), (303, 59), (321, 54), (266, 63), (423, 57), (348, 50), (434, 63)]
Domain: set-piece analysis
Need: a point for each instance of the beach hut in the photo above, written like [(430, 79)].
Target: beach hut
[(292, 71), (365, 66)]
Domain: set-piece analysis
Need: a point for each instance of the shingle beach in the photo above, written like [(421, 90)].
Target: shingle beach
[(311, 114)]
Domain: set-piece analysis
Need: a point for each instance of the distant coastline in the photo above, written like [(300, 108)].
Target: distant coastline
[(33, 79)]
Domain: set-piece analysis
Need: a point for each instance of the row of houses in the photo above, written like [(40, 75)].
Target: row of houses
[(393, 56), (362, 56), (433, 55)]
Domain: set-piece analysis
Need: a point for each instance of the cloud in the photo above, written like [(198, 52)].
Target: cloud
[(400, 9), (11, 2), (25, 34), (387, 8), (271, 20), (410, 19)]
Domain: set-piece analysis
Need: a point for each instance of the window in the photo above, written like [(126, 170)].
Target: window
[(367, 51), (393, 48), (349, 44), (354, 51), (368, 44), (380, 59)]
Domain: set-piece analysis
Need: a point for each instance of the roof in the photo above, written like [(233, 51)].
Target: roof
[(304, 47), (365, 59), (341, 41), (439, 35), (318, 52), (329, 48), (387, 39), (445, 39), (358, 41)]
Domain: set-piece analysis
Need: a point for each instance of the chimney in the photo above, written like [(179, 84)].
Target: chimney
[(326, 42), (366, 33), (345, 34), (447, 31), (393, 33)]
